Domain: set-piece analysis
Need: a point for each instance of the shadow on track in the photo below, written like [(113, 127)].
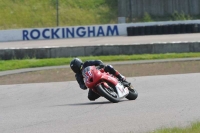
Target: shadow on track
[(89, 103), (82, 104)]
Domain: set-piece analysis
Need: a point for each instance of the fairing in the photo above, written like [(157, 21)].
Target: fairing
[(93, 76)]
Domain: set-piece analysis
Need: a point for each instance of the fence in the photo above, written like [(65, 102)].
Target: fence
[(137, 8)]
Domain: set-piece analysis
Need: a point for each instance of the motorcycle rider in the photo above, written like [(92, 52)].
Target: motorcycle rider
[(77, 66)]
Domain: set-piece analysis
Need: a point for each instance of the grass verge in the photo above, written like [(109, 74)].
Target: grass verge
[(16, 14), (31, 63), (194, 128)]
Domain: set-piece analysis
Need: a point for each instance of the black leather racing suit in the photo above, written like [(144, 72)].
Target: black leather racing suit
[(79, 77)]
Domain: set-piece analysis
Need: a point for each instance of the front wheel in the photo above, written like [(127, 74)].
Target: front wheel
[(108, 93), (133, 94)]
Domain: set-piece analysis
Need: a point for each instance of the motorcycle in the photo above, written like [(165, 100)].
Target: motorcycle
[(107, 85)]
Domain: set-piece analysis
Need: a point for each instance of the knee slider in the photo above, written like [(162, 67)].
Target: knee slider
[(91, 98)]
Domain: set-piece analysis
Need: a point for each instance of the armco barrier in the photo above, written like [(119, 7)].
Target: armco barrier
[(40, 53), (163, 29)]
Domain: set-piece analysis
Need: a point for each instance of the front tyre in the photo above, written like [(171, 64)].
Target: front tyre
[(133, 94), (108, 93)]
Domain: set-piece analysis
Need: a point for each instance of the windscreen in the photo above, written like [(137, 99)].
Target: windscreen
[(85, 70)]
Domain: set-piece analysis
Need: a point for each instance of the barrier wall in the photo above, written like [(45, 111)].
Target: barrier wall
[(79, 31), (155, 48)]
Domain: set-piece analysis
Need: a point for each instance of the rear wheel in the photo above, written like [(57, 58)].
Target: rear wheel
[(108, 93), (133, 94)]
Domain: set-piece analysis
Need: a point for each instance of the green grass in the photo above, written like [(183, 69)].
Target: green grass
[(43, 13), (194, 128), (31, 63)]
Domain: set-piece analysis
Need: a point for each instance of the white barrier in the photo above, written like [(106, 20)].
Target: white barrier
[(77, 31)]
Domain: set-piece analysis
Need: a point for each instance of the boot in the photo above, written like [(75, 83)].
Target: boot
[(120, 77)]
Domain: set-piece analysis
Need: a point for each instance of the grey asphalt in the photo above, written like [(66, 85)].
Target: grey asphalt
[(116, 40), (62, 107)]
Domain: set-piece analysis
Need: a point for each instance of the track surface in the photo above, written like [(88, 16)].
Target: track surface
[(120, 40), (170, 100)]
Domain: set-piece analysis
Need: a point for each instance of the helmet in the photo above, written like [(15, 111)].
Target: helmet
[(76, 65)]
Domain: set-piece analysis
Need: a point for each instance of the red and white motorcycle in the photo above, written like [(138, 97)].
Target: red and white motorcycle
[(107, 85)]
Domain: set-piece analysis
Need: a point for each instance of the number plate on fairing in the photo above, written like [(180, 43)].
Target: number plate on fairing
[(122, 92)]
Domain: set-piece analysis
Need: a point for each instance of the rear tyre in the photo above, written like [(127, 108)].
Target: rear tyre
[(108, 93), (133, 94)]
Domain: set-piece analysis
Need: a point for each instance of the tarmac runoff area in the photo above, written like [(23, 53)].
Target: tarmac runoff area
[(163, 101)]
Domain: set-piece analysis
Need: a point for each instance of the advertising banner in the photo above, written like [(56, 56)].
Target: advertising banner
[(62, 32)]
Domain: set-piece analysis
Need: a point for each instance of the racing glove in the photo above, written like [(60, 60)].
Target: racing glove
[(102, 66)]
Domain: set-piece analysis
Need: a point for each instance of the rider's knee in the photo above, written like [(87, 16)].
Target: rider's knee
[(91, 98)]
